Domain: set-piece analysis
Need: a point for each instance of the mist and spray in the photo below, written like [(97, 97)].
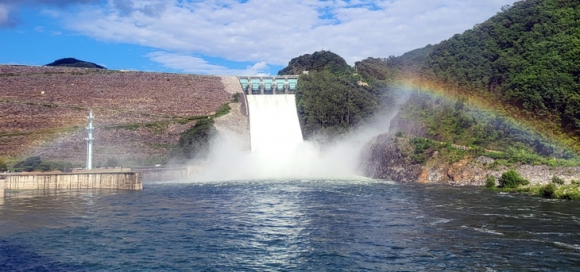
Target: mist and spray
[(277, 148)]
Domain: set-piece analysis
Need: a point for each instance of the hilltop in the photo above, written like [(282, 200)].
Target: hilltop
[(316, 62), (72, 62)]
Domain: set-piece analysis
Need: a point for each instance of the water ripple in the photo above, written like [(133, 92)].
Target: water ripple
[(347, 225)]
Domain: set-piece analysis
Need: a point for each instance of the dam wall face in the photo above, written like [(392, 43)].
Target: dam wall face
[(122, 181)]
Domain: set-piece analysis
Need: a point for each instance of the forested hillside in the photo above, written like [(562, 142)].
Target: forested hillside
[(523, 63), (330, 98), (529, 55)]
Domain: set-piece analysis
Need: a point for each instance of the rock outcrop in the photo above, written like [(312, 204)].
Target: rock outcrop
[(385, 157), (389, 157)]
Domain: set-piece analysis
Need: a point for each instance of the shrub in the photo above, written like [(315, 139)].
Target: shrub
[(45, 166), (223, 110), (28, 165), (157, 127), (421, 146), (490, 182), (548, 190), (3, 166), (64, 166), (236, 97), (570, 195), (557, 180), (399, 134), (112, 162), (454, 155), (194, 142), (511, 179)]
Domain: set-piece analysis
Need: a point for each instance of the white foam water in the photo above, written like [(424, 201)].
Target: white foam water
[(274, 125)]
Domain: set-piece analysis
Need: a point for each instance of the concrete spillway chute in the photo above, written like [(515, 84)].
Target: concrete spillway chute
[(273, 117)]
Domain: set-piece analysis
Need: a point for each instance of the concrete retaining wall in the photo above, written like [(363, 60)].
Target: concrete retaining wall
[(164, 174), (123, 181), (1, 187)]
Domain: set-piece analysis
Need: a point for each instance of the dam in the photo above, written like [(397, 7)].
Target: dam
[(273, 118), (273, 126)]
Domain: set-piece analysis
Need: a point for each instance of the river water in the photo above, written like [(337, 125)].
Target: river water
[(287, 225)]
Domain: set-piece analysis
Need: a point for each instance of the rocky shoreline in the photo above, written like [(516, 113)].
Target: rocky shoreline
[(389, 157)]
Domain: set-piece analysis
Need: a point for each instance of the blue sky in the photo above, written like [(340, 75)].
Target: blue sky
[(225, 37)]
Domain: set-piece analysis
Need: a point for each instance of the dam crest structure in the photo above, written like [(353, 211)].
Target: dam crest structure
[(269, 84), (272, 113)]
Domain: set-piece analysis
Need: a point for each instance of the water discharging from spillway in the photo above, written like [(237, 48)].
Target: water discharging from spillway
[(278, 150), (274, 125)]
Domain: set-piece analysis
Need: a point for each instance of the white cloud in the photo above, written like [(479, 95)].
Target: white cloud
[(4, 15), (9, 8), (275, 31), (191, 64)]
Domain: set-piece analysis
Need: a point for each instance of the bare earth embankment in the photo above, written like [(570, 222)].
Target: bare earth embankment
[(139, 115)]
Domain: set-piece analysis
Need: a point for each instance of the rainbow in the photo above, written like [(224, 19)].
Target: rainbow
[(487, 103)]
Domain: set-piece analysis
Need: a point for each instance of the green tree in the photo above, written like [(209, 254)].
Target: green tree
[(329, 105), (511, 179)]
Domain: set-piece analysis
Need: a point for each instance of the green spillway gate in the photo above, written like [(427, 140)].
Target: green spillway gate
[(271, 85)]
